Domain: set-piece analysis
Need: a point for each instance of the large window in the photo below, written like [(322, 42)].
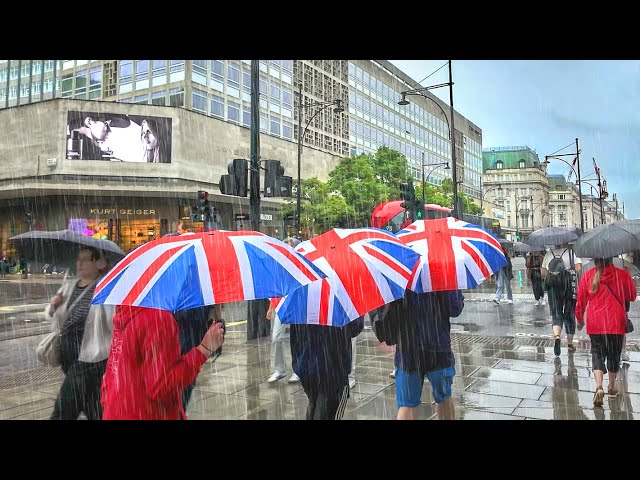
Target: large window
[(159, 98), (176, 97), (233, 112), (199, 100), (217, 106)]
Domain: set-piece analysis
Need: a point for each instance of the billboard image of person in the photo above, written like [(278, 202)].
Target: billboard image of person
[(118, 137)]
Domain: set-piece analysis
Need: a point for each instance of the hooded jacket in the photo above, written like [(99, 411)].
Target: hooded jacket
[(145, 372), (604, 312)]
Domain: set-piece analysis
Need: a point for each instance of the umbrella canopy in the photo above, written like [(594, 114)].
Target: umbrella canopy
[(60, 247), (455, 254), (610, 240), (521, 247), (618, 262), (552, 236), (206, 268), (365, 267)]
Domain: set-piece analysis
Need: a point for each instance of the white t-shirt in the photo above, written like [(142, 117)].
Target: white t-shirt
[(565, 258)]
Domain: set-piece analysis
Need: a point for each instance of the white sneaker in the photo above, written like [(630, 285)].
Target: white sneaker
[(509, 301), (542, 302), (275, 376), (392, 374), (293, 378), (352, 382), (537, 303)]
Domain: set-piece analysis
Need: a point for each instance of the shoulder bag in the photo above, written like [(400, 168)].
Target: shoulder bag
[(48, 350), (629, 327)]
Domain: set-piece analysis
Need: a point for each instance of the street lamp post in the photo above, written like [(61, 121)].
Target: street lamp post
[(323, 105), (424, 180), (499, 187), (518, 202), (577, 161), (450, 123)]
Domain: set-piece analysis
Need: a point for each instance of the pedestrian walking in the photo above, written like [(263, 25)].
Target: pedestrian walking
[(193, 324), (600, 305), (85, 337), (503, 278), (322, 359), (424, 350), (534, 274), (559, 270), (146, 374)]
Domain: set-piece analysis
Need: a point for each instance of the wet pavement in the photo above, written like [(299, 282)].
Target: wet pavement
[(497, 378), (501, 374)]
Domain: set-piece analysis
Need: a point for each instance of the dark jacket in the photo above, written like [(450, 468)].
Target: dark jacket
[(321, 355), (428, 326)]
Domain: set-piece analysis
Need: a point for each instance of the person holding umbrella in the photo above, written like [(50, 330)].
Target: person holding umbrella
[(85, 337), (534, 265), (602, 293), (559, 272)]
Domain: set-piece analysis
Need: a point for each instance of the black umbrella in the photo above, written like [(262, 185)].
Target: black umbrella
[(552, 236), (61, 247), (618, 262), (521, 247), (610, 240)]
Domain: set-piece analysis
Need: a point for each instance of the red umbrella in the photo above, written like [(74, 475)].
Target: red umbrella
[(197, 269), (365, 267), (455, 254)]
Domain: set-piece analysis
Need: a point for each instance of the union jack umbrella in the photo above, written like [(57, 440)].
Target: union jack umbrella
[(455, 254), (197, 269), (365, 267)]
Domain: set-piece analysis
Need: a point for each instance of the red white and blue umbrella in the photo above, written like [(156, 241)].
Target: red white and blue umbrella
[(365, 267), (454, 254), (197, 269)]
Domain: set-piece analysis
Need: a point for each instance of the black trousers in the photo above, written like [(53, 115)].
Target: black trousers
[(326, 404), (80, 392), (536, 283)]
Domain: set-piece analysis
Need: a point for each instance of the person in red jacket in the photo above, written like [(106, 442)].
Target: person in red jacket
[(145, 372), (602, 293)]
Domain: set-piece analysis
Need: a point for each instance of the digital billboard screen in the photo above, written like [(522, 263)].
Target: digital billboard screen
[(118, 137)]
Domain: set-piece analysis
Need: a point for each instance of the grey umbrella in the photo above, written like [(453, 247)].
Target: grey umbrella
[(552, 236), (521, 247), (618, 262), (60, 247), (610, 240)]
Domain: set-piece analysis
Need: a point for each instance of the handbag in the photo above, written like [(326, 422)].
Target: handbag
[(629, 326), (48, 350)]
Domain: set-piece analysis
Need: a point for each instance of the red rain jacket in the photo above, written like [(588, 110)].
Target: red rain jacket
[(605, 313), (145, 372)]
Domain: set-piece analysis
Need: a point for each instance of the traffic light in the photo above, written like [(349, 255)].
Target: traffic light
[(408, 194), (419, 209), (204, 208), (276, 184), (236, 182)]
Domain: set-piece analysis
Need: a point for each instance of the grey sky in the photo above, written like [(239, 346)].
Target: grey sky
[(546, 105)]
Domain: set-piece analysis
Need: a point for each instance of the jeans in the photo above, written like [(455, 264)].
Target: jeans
[(502, 282)]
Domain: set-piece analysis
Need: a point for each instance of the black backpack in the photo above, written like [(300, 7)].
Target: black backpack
[(557, 271), (386, 321)]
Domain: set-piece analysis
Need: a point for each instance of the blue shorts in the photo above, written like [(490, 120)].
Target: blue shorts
[(409, 385)]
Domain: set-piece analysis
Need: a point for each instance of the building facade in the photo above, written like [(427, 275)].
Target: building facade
[(564, 203), (515, 180), (204, 107)]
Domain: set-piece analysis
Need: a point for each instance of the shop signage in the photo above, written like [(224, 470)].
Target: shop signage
[(266, 216), (122, 211), (241, 216)]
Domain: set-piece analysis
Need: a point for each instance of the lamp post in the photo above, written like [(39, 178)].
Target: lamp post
[(301, 133), (601, 188), (435, 166), (499, 187), (450, 123), (577, 160), (518, 202)]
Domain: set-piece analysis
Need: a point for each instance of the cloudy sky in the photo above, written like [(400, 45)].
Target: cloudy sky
[(546, 105)]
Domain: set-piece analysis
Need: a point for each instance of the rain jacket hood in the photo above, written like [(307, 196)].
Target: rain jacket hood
[(145, 372)]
